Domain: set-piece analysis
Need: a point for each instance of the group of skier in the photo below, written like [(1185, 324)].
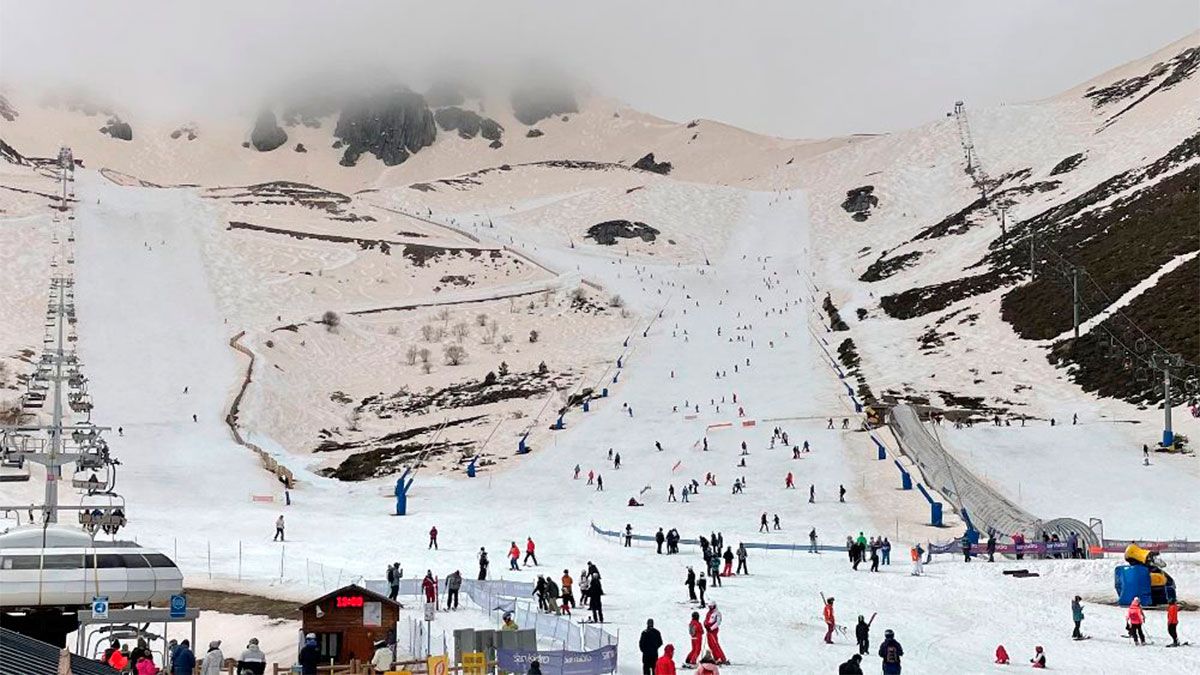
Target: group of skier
[(876, 549)]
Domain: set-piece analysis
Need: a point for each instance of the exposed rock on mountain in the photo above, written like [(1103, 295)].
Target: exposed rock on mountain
[(267, 134), (647, 163), (860, 201), (609, 231), (533, 103), (389, 125), (468, 123), (117, 128)]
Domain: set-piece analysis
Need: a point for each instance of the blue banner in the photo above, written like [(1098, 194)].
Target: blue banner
[(595, 662)]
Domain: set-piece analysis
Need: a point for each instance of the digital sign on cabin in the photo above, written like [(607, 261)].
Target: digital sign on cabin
[(349, 621)]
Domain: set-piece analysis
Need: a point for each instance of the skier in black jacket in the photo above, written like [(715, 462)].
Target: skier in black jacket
[(862, 633), (851, 667), (649, 644)]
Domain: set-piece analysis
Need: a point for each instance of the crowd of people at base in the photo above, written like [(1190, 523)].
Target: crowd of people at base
[(860, 549), (181, 660)]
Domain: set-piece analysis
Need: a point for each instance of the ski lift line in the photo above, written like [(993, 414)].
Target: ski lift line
[(429, 444)]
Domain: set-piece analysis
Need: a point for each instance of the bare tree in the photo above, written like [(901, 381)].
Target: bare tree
[(427, 333), (331, 319), (461, 330), (423, 354), (616, 301), (443, 315), (455, 354), (481, 320), (410, 354)]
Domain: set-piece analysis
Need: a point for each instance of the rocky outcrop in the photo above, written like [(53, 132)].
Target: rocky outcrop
[(9, 154), (267, 134), (468, 123), (533, 103), (390, 125), (860, 201), (186, 131), (647, 163), (1068, 164), (609, 231), (300, 148), (117, 128), (7, 112), (534, 133)]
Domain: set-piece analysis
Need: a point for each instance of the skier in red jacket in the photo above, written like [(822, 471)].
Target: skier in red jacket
[(712, 626), (830, 621), (529, 552), (666, 663), (429, 586), (696, 632)]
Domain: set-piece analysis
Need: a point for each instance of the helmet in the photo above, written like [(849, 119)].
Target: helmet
[(889, 633)]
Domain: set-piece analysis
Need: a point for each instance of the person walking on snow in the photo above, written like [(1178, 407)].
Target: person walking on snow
[(393, 579), (690, 582), (886, 550), (483, 564), (529, 552), (279, 529), (862, 634), (701, 586), (568, 593), (1135, 617), (830, 621), (762, 523), (514, 555), (432, 538), (775, 521), (591, 477), (696, 634), (712, 629), (649, 644), (842, 493), (812, 494), (788, 483), (1077, 617), (812, 541)]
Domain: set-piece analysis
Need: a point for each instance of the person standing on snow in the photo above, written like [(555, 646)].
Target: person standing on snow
[(728, 557), (890, 651), (279, 528), (915, 554), (659, 538), (741, 558), (830, 620), (690, 582), (1135, 617), (886, 550), (483, 563), (1173, 622), (666, 663), (393, 578), (696, 634), (712, 629), (430, 587), (432, 538), (529, 547), (701, 586), (568, 594), (514, 555), (812, 541), (453, 583), (649, 644), (596, 591), (762, 523), (1077, 617)]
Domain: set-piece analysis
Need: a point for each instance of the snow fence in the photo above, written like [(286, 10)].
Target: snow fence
[(502, 596), (984, 507)]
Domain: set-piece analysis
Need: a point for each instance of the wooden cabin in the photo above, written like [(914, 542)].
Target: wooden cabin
[(349, 621)]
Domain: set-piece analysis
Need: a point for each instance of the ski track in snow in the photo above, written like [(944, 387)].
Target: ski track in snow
[(150, 325)]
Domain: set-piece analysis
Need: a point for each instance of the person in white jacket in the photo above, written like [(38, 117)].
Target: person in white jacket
[(214, 660), (252, 661), (382, 661)]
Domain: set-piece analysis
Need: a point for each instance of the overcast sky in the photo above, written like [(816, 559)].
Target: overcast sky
[(792, 68)]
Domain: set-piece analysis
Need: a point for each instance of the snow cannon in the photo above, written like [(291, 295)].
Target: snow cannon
[(1143, 578), (402, 486)]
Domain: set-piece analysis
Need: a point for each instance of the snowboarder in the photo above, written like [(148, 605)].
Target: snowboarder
[(696, 634), (432, 538), (712, 628), (453, 584), (1077, 617), (649, 644), (890, 651), (279, 529), (830, 621), (483, 564)]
